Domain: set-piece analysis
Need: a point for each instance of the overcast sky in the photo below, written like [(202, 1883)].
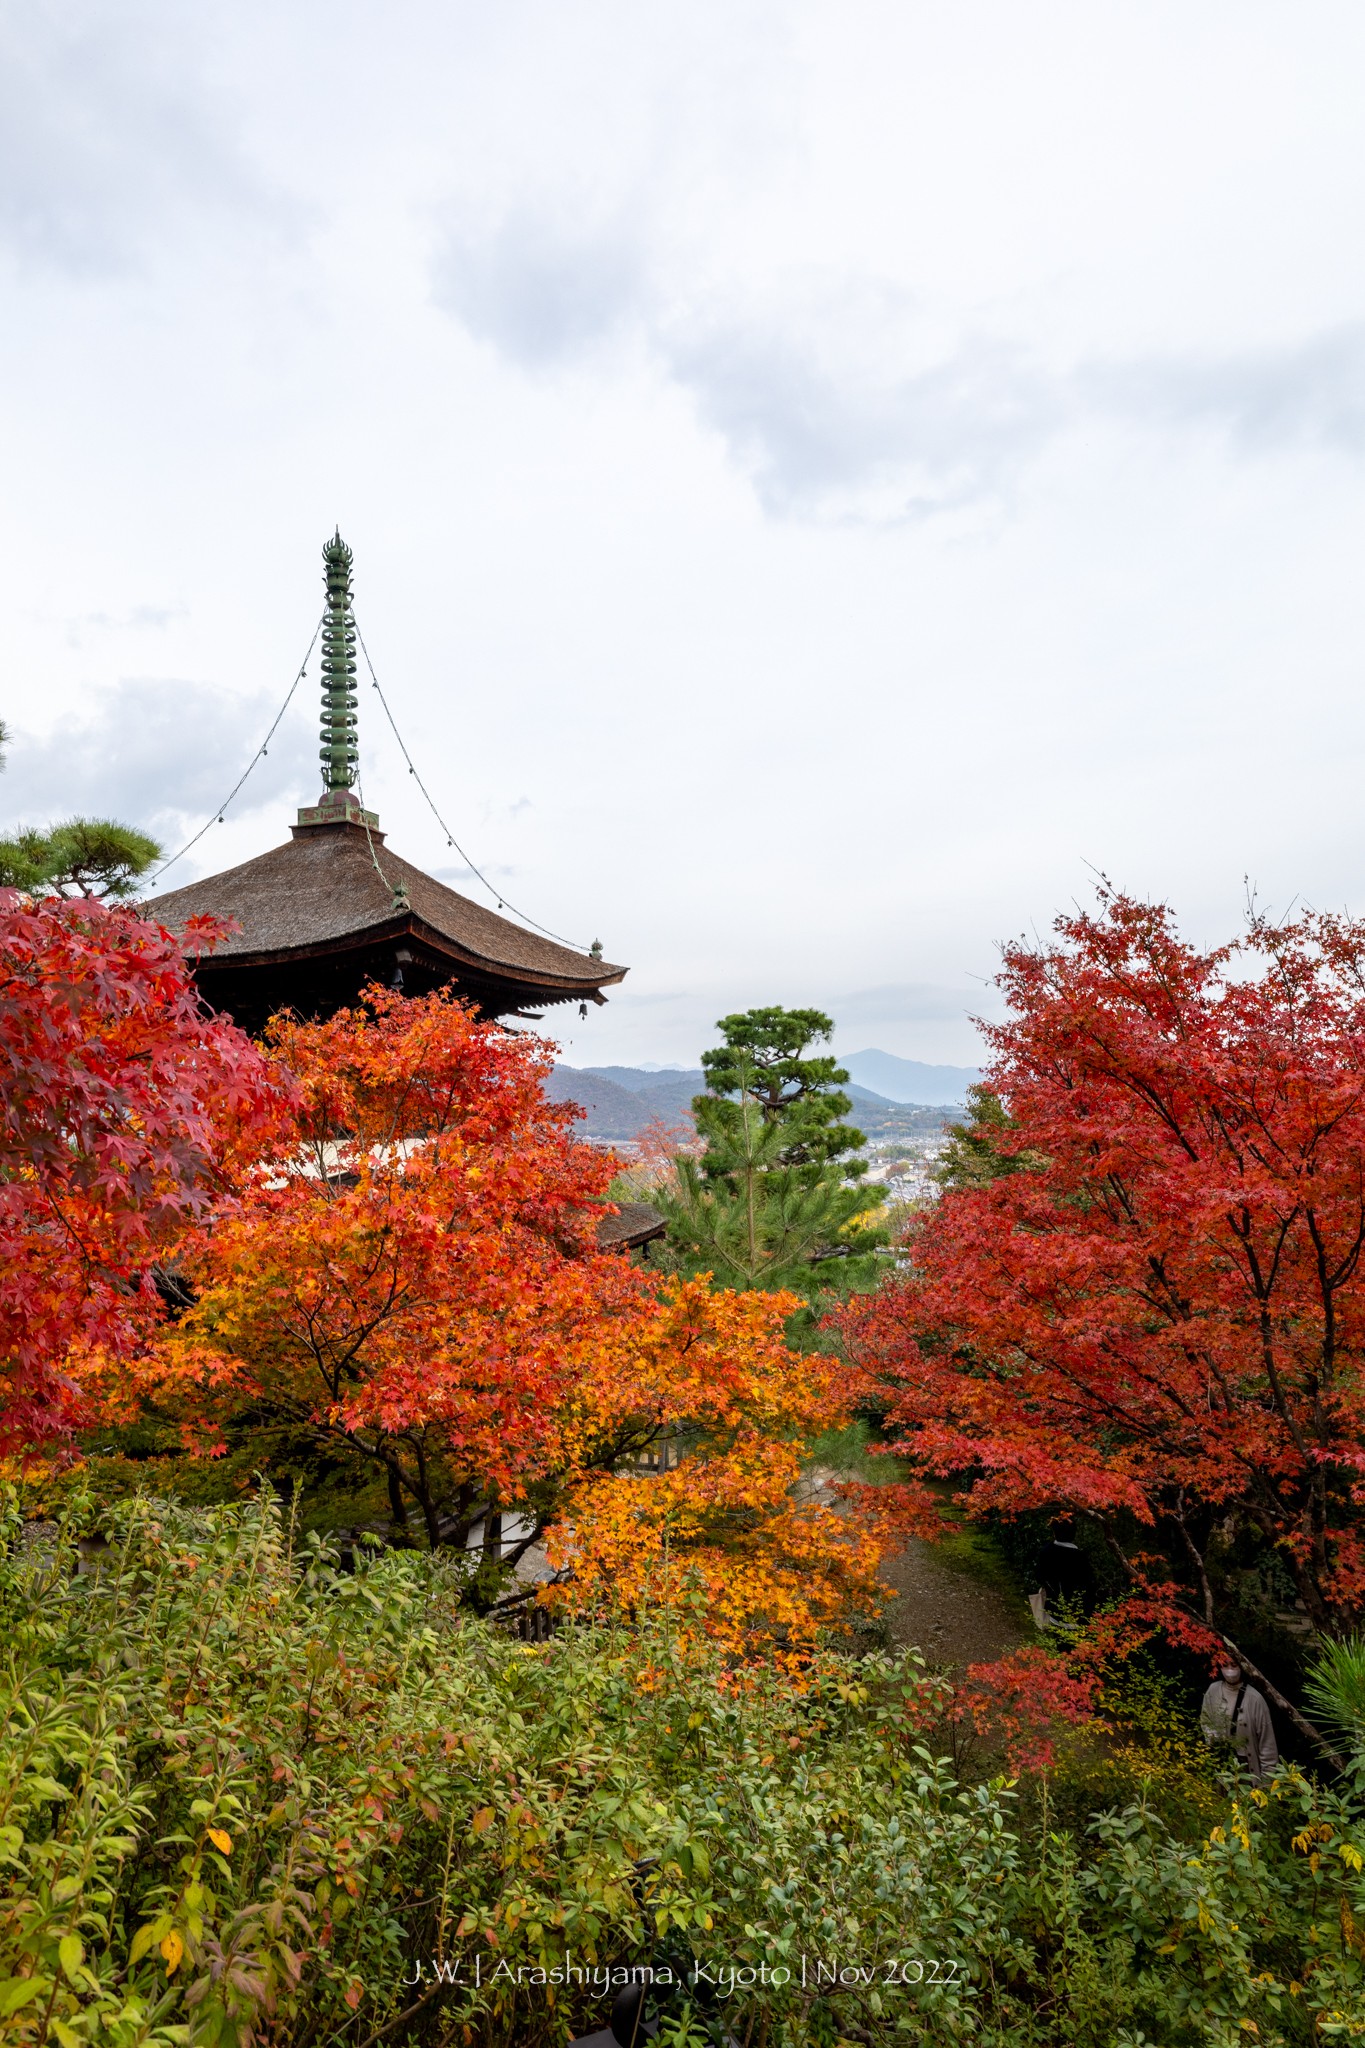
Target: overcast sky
[(823, 478)]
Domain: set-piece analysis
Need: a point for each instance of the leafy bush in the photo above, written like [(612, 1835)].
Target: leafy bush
[(1336, 1687), (248, 1798)]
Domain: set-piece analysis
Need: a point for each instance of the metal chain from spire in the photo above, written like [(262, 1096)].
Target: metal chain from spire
[(217, 815), (340, 751), (594, 951)]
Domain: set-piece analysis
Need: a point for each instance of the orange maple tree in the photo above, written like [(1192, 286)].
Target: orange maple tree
[(412, 1275), (733, 1538)]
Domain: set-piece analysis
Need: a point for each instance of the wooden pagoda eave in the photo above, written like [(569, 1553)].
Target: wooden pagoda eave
[(406, 929)]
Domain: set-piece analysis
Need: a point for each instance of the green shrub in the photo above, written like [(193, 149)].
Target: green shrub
[(1336, 1687), (248, 1798)]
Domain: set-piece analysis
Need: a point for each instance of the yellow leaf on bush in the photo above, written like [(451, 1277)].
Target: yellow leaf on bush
[(172, 1948), (483, 1819), (221, 1839)]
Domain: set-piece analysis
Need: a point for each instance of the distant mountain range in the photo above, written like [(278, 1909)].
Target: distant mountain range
[(620, 1101), (898, 1080)]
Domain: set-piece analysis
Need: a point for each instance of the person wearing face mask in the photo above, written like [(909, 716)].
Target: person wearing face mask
[(1234, 1712)]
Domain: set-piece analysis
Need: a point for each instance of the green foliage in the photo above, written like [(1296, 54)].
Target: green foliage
[(1148, 1751), (973, 1156), (248, 1798), (81, 857), (1336, 1687), (774, 1201), (764, 1059)]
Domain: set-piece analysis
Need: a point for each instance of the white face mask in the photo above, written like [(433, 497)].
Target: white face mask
[(1230, 1674)]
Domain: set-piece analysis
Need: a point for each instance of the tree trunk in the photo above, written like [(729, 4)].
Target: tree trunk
[(398, 1507)]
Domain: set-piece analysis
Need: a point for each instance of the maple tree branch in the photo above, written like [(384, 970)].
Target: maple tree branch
[(1327, 1287), (512, 1560), (398, 1507), (1196, 1557), (1262, 1289), (423, 1489)]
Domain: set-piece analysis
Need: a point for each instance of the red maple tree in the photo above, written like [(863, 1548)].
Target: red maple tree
[(123, 1108), (1151, 1309)]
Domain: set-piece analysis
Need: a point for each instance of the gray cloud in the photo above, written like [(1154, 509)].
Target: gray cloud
[(159, 752), (815, 440), (816, 405), (109, 124), (1311, 391), (537, 292), (815, 435)]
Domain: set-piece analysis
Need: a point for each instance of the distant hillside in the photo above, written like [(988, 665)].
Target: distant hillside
[(612, 1111), (899, 1080), (620, 1101), (639, 1078)]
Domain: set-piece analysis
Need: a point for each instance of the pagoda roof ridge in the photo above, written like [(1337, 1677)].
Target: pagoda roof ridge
[(336, 887)]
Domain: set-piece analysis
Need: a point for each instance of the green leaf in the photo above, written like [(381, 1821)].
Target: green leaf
[(17, 1991), (71, 1954)]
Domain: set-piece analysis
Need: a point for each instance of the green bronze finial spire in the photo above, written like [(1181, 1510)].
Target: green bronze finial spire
[(340, 751), (338, 804)]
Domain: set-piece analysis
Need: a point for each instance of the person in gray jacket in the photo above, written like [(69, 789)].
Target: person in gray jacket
[(1234, 1712)]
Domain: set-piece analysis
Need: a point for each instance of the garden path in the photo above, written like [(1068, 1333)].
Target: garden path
[(947, 1612), (947, 1604)]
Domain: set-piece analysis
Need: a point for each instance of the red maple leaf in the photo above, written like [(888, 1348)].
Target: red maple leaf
[(123, 1108)]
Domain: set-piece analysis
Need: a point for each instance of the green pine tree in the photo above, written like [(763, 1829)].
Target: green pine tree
[(777, 1199), (81, 857)]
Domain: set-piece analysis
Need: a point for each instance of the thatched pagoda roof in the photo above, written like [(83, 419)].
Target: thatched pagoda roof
[(334, 907)]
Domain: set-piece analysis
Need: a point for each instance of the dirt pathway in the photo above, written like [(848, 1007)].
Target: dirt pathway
[(953, 1602), (951, 1614)]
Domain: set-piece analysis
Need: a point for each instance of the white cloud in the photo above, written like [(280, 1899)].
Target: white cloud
[(158, 753), (841, 470), (112, 132), (842, 400)]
